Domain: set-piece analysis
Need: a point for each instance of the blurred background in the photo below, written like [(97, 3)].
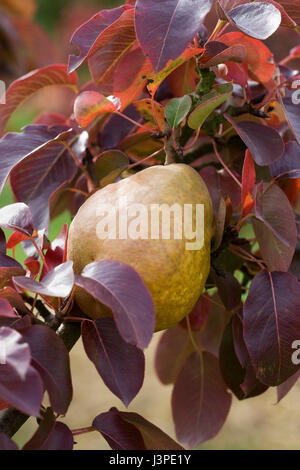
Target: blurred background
[(37, 33)]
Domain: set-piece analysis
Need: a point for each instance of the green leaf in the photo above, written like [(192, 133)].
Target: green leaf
[(207, 105), (109, 165), (177, 109)]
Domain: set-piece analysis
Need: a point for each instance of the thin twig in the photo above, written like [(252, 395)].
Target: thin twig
[(224, 164)]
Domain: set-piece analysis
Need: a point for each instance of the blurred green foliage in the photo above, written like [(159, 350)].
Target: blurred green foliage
[(49, 12)]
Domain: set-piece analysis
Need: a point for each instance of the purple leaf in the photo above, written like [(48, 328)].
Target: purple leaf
[(117, 128), (200, 401), (24, 87), (258, 20), (51, 435), (275, 228), (2, 242), (121, 365), (168, 19), (264, 143), (284, 388), (20, 384), (61, 438), (120, 288), (38, 157), (9, 268), (130, 431), (58, 282), (17, 217), (93, 34), (16, 146), (51, 359), (15, 356), (6, 443), (235, 363), (232, 371), (219, 53), (172, 350), (211, 336), (6, 309), (288, 166), (229, 289), (271, 324), (292, 112)]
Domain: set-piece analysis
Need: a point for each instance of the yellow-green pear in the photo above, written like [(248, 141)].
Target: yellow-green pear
[(175, 267)]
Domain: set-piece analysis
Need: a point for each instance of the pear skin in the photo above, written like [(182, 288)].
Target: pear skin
[(174, 275)]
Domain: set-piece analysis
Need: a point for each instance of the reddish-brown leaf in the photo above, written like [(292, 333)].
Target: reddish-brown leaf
[(248, 181), (258, 57), (25, 86)]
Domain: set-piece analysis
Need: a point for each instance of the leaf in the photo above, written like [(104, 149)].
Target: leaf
[(172, 350), (33, 265), (140, 145), (184, 78), (218, 53), (258, 20), (109, 165), (36, 148), (130, 77), (2, 242), (57, 283), (120, 288), (292, 9), (144, 107), (50, 435), (275, 228), (14, 355), (259, 63), (20, 384), (292, 113), (6, 310), (220, 224), (235, 363), (227, 5), (288, 166), (17, 217), (177, 109), (117, 128), (51, 359), (120, 365), (199, 316), (271, 324), (95, 33), (90, 104), (207, 105), (265, 143), (15, 239), (24, 87), (171, 36), (9, 268), (229, 289), (200, 401), (116, 44), (232, 371), (284, 388), (248, 181), (154, 80), (6, 443), (130, 431), (15, 300)]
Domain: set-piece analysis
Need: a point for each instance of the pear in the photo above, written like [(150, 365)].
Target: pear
[(174, 273)]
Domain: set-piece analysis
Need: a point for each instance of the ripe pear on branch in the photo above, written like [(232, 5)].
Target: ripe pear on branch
[(174, 269)]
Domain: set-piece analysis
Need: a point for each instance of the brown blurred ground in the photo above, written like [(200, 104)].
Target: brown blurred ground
[(253, 424)]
